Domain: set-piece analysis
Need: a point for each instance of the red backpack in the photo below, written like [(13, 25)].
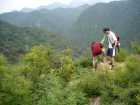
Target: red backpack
[(96, 48)]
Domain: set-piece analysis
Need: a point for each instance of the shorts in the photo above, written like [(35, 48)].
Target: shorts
[(111, 52)]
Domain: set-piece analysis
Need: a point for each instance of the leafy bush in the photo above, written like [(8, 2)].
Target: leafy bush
[(85, 62), (136, 47), (121, 56), (67, 67), (55, 93), (90, 84), (15, 88), (138, 99)]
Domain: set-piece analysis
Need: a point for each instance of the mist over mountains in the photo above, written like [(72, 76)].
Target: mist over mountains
[(57, 5), (72, 4), (58, 20), (83, 24)]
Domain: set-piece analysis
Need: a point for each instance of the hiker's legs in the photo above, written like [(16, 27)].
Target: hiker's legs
[(112, 61), (103, 51), (94, 62), (103, 55), (111, 54), (118, 48)]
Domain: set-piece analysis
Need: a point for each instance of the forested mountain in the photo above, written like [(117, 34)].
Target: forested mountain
[(57, 20), (84, 24), (15, 41), (122, 16)]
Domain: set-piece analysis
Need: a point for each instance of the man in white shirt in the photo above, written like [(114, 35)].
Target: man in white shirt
[(112, 42)]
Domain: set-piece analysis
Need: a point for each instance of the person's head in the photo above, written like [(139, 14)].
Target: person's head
[(106, 30)]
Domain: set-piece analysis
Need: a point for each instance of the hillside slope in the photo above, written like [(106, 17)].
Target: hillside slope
[(122, 16), (15, 41), (56, 20)]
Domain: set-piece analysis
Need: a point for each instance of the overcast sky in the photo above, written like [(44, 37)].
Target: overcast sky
[(10, 5)]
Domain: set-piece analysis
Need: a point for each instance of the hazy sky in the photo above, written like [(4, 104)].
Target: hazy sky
[(9, 5)]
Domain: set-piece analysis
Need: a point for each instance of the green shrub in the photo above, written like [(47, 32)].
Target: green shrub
[(136, 47), (15, 88), (138, 99), (90, 84), (55, 93), (133, 68), (67, 67), (121, 56)]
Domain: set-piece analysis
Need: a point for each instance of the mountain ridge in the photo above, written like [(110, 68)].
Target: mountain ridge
[(84, 24)]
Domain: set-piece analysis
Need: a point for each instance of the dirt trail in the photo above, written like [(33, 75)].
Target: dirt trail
[(95, 101)]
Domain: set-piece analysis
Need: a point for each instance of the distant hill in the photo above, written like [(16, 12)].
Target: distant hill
[(26, 10), (54, 6), (85, 23), (15, 41), (122, 16), (57, 20)]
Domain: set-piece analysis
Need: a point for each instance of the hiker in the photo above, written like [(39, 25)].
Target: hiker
[(97, 50), (112, 45), (118, 42)]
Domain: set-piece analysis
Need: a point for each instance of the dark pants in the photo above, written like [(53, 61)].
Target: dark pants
[(111, 52)]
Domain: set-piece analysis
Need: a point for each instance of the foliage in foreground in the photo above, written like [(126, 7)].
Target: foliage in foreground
[(46, 77)]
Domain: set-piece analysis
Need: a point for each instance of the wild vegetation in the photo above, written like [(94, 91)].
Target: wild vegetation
[(46, 77), (15, 41), (45, 59)]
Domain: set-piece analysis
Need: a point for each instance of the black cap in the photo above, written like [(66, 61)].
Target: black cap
[(106, 29)]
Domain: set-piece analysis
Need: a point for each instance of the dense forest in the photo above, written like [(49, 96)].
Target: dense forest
[(15, 41), (45, 57)]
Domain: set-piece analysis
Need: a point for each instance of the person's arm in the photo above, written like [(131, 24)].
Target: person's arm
[(103, 40)]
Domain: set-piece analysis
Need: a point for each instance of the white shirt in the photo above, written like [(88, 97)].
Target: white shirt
[(111, 39)]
